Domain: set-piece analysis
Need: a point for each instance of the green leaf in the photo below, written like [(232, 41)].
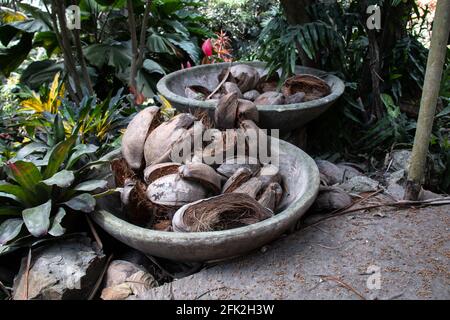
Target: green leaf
[(58, 155), (159, 44), (10, 211), (30, 149), (12, 57), (26, 174), (186, 45), (37, 219), (84, 203), (48, 41), (57, 230), (79, 151), (14, 192), (62, 179), (40, 72), (114, 54), (9, 230), (153, 67), (91, 185)]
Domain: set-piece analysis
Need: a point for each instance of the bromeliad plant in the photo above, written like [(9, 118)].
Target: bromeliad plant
[(43, 185)]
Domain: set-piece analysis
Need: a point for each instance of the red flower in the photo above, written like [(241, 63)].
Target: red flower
[(207, 48)]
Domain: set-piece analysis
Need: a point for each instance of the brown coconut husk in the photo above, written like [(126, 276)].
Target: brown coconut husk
[(313, 87), (163, 225), (224, 212), (268, 83), (122, 172), (140, 210)]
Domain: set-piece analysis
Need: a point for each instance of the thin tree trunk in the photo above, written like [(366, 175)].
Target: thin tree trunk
[(430, 93), (296, 14), (59, 14), (84, 69), (134, 45)]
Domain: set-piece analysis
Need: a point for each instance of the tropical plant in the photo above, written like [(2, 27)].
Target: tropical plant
[(50, 102), (43, 185), (104, 53)]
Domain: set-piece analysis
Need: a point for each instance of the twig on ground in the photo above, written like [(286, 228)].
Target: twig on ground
[(94, 233), (343, 284), (404, 204), (27, 273), (100, 279)]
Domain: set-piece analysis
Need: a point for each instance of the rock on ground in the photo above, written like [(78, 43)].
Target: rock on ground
[(67, 269), (125, 279), (380, 254)]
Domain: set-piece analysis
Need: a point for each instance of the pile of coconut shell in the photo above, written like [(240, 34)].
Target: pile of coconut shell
[(191, 195), (247, 83)]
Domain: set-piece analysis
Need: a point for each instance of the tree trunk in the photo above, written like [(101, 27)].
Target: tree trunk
[(296, 14), (430, 94), (134, 45), (381, 45)]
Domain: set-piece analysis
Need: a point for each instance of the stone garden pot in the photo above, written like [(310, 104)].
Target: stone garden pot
[(283, 117), (301, 181)]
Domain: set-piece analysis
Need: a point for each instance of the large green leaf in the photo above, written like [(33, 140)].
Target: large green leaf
[(10, 211), (14, 192), (37, 14), (12, 57), (57, 230), (7, 33), (79, 151), (153, 67), (26, 174), (48, 41), (84, 203), (58, 155), (37, 219), (114, 54), (9, 230), (159, 44), (186, 45), (146, 83), (91, 185), (34, 147), (62, 179), (40, 72)]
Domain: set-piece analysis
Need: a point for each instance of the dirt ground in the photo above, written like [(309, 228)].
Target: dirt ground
[(377, 254)]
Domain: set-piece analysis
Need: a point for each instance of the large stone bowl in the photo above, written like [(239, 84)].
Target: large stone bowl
[(301, 180), (283, 117)]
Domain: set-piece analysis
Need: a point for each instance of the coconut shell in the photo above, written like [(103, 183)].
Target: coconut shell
[(251, 95), (270, 98), (230, 87), (226, 112), (268, 83), (231, 166), (313, 87), (223, 145), (134, 138), (241, 176), (224, 212), (159, 170), (246, 77), (271, 196), (299, 97), (203, 174), (247, 111), (197, 92), (159, 143), (252, 187), (173, 191)]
